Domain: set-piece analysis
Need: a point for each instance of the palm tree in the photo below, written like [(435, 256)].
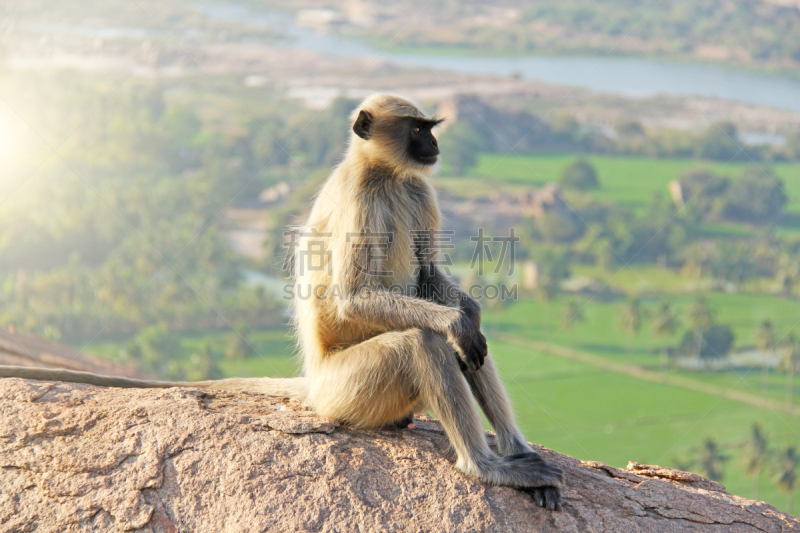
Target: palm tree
[(765, 341), (788, 273), (712, 460), (790, 362), (787, 474), (665, 325), (632, 321), (756, 452), (700, 319), (239, 347), (572, 314)]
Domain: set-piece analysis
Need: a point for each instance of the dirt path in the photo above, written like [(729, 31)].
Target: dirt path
[(647, 375)]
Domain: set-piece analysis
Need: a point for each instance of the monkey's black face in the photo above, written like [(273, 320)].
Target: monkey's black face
[(411, 135), (422, 145)]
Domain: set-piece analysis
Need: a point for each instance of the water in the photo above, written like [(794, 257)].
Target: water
[(631, 77), (636, 77)]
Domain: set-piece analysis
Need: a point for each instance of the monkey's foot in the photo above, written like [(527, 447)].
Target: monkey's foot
[(404, 423), (526, 471), (547, 497)]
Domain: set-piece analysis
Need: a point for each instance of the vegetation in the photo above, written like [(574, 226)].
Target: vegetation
[(460, 145), (744, 32), (127, 234), (580, 175)]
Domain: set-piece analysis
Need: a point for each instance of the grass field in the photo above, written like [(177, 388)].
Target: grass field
[(591, 414), (600, 332), (623, 179), (273, 349)]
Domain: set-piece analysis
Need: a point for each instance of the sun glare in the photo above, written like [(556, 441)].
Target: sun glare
[(12, 138)]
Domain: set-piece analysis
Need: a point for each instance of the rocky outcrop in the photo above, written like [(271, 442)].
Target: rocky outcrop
[(24, 349), (82, 458)]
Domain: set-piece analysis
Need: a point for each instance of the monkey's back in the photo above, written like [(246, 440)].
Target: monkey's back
[(355, 201)]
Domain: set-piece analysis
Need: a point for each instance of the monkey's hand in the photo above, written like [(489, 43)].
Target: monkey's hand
[(469, 342), (472, 309)]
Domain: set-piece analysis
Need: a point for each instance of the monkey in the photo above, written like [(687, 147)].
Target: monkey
[(383, 332)]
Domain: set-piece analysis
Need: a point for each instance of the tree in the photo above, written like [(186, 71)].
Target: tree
[(791, 363), (720, 142), (765, 342), (238, 345), (580, 175), (755, 454), (701, 191), (204, 364), (157, 347), (788, 273), (460, 145), (758, 195), (665, 325), (631, 321), (712, 460), (556, 228), (793, 143), (715, 342), (787, 474), (553, 268), (700, 319), (572, 314)]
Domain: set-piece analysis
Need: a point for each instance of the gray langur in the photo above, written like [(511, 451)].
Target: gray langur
[(382, 331)]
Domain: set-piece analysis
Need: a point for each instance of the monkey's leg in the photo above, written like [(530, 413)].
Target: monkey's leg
[(493, 399), (377, 381)]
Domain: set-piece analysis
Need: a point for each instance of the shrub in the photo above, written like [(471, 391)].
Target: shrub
[(580, 175)]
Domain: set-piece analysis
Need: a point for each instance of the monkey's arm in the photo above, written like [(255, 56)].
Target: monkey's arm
[(436, 286), (366, 300)]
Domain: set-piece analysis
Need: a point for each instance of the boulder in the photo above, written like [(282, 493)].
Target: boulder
[(81, 458)]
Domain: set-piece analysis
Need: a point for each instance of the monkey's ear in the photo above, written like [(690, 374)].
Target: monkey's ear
[(363, 124)]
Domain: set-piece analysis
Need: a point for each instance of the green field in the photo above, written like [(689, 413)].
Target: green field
[(273, 349), (613, 418), (600, 333), (626, 180)]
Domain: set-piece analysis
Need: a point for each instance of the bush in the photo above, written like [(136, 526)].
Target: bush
[(757, 196), (702, 192), (460, 145), (717, 342), (580, 175), (720, 142)]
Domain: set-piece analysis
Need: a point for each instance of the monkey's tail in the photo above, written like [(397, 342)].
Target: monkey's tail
[(283, 387), (75, 376), (296, 388)]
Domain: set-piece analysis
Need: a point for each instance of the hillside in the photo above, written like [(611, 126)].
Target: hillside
[(81, 458), (24, 349)]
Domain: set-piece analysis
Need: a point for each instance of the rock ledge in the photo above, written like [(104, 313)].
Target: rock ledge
[(82, 458)]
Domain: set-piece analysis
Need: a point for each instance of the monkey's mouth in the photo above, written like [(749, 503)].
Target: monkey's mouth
[(427, 159)]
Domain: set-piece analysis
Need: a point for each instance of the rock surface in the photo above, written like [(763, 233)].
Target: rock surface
[(82, 458)]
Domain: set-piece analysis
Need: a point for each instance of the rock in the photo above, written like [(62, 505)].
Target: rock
[(81, 458), (25, 349)]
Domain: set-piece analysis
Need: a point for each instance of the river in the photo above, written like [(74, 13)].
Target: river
[(635, 77)]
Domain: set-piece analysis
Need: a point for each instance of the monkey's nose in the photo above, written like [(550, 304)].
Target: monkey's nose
[(435, 143)]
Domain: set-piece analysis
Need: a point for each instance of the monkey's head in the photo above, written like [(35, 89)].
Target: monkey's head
[(391, 130)]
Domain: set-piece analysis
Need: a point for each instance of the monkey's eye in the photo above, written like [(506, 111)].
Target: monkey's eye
[(416, 130)]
